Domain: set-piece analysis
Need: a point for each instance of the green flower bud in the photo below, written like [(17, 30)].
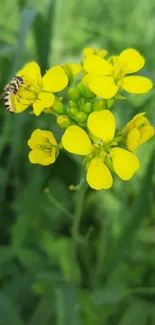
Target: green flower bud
[(99, 105), (110, 103), (72, 111), (73, 103), (80, 117), (68, 73), (74, 93), (108, 163), (88, 107), (58, 107), (63, 121), (86, 92)]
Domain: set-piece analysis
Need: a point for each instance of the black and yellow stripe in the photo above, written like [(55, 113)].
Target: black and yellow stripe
[(11, 89)]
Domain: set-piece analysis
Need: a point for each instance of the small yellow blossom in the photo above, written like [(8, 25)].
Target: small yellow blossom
[(101, 128), (36, 90), (44, 147), (88, 51), (137, 131), (106, 77)]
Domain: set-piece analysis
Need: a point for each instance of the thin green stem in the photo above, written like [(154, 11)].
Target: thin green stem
[(58, 205), (79, 202), (148, 291)]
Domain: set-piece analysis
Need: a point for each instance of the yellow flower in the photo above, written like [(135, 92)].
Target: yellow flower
[(105, 78), (88, 51), (44, 147), (36, 90), (137, 131), (101, 128)]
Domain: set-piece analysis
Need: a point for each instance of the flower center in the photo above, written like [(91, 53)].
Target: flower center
[(47, 146)]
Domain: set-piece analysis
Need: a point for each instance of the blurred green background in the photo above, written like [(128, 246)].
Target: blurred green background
[(74, 258)]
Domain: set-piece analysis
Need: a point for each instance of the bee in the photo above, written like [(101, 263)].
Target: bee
[(11, 89)]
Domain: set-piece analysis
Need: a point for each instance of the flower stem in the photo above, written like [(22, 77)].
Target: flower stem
[(58, 205), (79, 202)]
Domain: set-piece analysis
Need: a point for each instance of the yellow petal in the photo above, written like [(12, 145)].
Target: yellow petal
[(132, 140), (43, 101), (102, 125), (103, 87), (88, 51), (101, 52), (134, 122), (131, 61), (17, 105), (76, 140), (137, 116), (96, 65), (55, 79), (98, 175), (75, 68), (50, 136), (36, 138), (40, 157), (125, 163), (136, 84), (30, 70), (146, 132), (87, 78)]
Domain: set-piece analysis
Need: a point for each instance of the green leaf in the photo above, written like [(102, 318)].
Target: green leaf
[(6, 254), (134, 217), (136, 314), (28, 16), (30, 259), (43, 31), (8, 313), (20, 230), (107, 296), (43, 312)]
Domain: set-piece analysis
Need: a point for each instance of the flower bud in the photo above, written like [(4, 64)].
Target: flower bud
[(73, 103), (72, 111), (63, 121), (68, 73), (88, 107), (110, 103), (86, 92), (108, 163), (99, 105), (74, 93), (58, 107), (80, 117)]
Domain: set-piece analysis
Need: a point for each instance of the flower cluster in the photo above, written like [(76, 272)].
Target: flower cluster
[(90, 89)]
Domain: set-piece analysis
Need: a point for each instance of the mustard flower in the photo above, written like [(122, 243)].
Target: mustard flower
[(36, 90), (44, 147), (137, 131), (99, 146), (106, 77)]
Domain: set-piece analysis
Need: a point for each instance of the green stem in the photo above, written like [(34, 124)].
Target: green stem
[(58, 205), (79, 202), (148, 291)]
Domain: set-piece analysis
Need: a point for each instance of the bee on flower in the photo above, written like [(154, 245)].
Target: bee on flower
[(90, 126)]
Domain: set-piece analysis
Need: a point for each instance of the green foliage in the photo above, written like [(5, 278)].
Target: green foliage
[(74, 257)]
